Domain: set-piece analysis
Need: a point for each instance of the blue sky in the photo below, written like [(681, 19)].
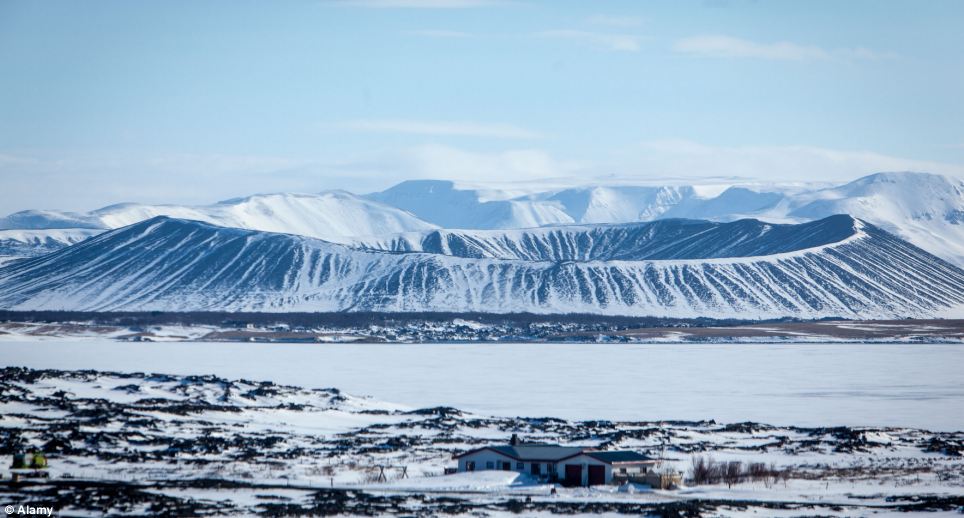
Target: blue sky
[(195, 101)]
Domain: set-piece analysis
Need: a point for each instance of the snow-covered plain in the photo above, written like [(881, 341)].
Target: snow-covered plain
[(155, 444), (913, 385)]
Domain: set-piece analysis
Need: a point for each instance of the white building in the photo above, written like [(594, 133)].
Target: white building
[(572, 466)]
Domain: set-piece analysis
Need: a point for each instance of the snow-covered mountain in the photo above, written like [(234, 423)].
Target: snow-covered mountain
[(441, 203), (18, 244), (47, 219), (926, 209), (617, 204), (448, 206), (332, 215), (838, 267)]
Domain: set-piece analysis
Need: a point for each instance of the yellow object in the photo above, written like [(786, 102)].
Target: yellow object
[(39, 461)]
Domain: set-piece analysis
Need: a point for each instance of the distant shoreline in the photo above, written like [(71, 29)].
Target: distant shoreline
[(462, 327)]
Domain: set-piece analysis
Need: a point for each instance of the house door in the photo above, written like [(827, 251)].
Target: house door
[(535, 468), (597, 475), (506, 466), (573, 475)]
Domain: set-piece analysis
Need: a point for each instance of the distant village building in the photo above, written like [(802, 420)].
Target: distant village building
[(572, 466)]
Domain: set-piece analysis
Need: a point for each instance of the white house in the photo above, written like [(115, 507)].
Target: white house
[(572, 466)]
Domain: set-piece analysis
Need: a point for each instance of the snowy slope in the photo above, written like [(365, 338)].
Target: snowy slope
[(925, 209), (619, 204), (332, 215), (733, 203), (441, 203), (448, 206), (176, 265), (17, 244), (662, 239), (48, 219)]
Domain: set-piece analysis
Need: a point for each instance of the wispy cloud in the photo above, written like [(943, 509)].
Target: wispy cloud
[(673, 157), (615, 20), (64, 181), (720, 46), (440, 33), (434, 161), (614, 42), (441, 128), (417, 4), (600, 40), (656, 161)]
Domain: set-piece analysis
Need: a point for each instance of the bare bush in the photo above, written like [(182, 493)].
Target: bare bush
[(372, 476), (700, 471), (756, 471), (705, 470), (732, 473)]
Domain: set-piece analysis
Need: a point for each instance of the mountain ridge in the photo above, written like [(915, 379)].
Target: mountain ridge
[(167, 264), (926, 209), (332, 215), (652, 240)]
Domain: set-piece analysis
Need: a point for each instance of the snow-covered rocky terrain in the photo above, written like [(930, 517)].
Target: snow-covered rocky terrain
[(837, 267), (162, 445)]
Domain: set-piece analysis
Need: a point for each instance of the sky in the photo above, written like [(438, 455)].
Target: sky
[(196, 101)]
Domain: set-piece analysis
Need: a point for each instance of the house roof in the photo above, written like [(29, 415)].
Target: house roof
[(532, 451), (546, 452), (611, 457), (553, 453)]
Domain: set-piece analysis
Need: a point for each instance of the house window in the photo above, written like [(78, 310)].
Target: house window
[(536, 468), (489, 465), (520, 465), (470, 465)]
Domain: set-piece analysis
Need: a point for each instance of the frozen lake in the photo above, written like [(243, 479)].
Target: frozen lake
[(798, 384)]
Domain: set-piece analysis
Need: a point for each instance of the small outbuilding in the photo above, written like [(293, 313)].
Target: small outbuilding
[(572, 466)]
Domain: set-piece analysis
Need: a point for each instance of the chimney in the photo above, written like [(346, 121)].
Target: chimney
[(514, 441)]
